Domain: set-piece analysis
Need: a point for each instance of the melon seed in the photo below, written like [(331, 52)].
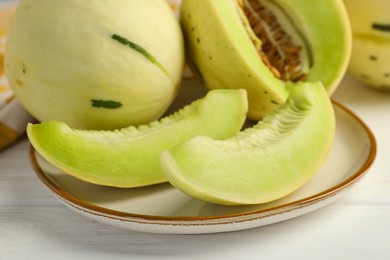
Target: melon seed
[(278, 51)]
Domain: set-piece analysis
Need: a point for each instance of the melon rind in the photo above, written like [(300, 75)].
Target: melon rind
[(260, 164), (130, 157)]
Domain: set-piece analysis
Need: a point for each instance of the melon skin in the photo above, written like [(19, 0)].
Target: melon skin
[(260, 164), (129, 157), (64, 63)]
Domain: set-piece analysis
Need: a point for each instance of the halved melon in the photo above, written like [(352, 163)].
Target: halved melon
[(263, 45)]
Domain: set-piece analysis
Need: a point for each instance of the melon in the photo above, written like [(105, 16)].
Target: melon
[(263, 163), (370, 60), (264, 45), (101, 65), (129, 157)]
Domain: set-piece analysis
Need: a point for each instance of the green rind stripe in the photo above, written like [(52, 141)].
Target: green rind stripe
[(109, 104), (139, 49), (381, 27)]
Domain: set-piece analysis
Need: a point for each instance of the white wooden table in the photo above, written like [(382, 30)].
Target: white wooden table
[(34, 225)]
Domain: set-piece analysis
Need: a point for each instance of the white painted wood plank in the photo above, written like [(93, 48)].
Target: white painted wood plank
[(334, 232)]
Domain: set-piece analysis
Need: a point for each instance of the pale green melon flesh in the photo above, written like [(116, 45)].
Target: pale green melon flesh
[(130, 157), (326, 27), (220, 47), (262, 163)]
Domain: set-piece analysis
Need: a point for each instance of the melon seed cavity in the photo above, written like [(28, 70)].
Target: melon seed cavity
[(282, 50)]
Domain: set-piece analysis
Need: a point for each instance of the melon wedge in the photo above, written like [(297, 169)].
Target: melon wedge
[(130, 157), (260, 164)]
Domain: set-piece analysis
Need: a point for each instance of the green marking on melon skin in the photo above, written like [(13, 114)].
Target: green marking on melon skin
[(108, 104), (139, 49), (381, 27)]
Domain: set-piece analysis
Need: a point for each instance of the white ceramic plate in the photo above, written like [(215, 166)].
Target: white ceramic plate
[(163, 209)]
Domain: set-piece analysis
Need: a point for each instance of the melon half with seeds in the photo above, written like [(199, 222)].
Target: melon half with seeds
[(264, 45), (97, 65)]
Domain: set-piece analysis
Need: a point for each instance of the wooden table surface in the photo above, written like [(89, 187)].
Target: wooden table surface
[(35, 225)]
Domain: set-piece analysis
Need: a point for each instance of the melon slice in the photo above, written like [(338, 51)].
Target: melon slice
[(130, 157), (262, 163)]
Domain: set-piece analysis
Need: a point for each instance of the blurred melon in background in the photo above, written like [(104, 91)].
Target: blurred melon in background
[(370, 60)]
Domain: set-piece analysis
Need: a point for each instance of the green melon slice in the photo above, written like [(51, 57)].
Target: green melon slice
[(130, 157), (262, 163)]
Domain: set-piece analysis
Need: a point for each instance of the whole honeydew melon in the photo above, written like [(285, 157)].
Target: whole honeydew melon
[(101, 65)]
